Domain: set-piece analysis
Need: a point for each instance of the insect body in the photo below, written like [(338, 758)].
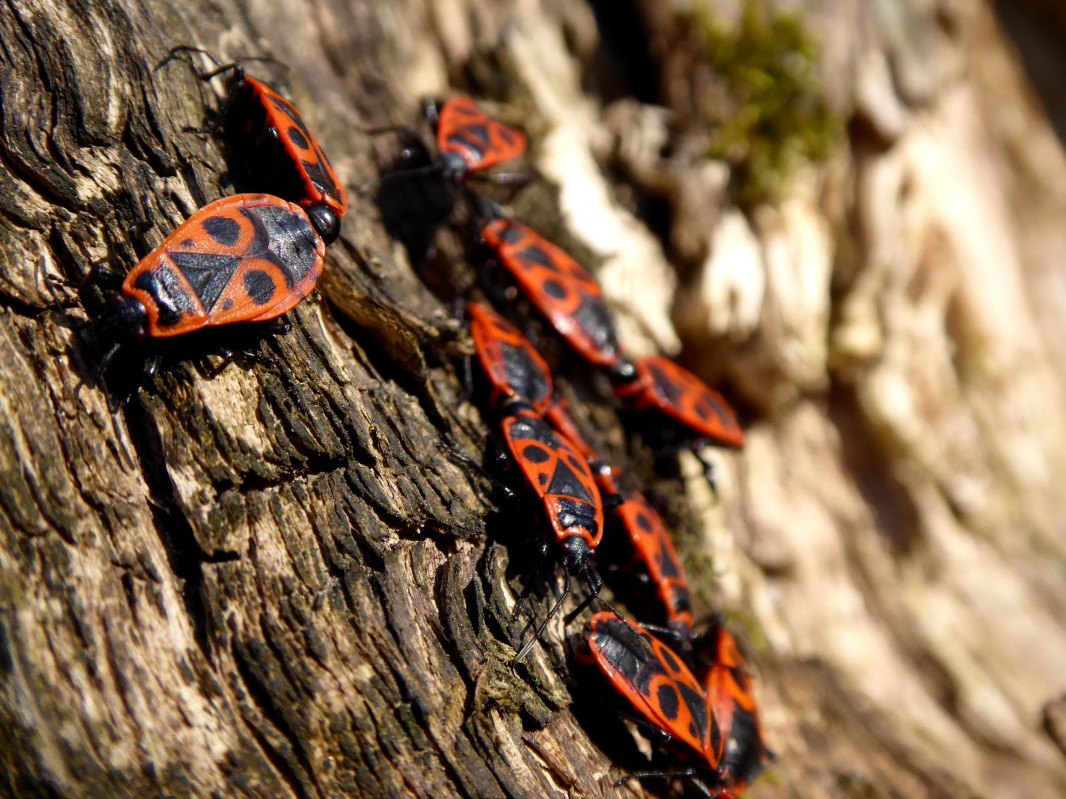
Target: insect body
[(560, 288), (245, 258), (662, 690), (275, 150), (518, 373), (652, 556), (657, 383), (562, 479), (743, 753), (468, 140)]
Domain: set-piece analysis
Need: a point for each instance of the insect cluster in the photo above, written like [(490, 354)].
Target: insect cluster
[(246, 257), (253, 257)]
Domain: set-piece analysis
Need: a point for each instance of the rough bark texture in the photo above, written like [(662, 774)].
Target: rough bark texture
[(273, 581)]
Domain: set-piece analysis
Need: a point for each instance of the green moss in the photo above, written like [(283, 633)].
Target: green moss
[(766, 107)]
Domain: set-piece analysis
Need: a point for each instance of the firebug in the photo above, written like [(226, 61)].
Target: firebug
[(562, 479), (652, 556), (468, 140), (742, 753), (558, 287), (244, 258), (656, 683), (274, 148), (657, 383)]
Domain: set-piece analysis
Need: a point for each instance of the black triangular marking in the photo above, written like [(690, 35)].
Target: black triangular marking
[(565, 483), (207, 274)]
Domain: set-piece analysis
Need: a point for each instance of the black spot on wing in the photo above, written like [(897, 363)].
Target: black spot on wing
[(643, 522), (290, 111), (259, 286), (668, 701), (554, 289), (534, 453), (667, 564), (670, 390), (296, 136), (222, 229), (670, 659), (536, 255)]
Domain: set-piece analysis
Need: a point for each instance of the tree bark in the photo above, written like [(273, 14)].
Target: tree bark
[(275, 579)]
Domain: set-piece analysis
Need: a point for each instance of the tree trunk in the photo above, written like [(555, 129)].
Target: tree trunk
[(277, 579)]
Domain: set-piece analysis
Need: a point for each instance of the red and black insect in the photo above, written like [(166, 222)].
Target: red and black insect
[(652, 556), (560, 288), (245, 258), (417, 194), (560, 476), (742, 753), (518, 373), (663, 691), (274, 147), (468, 140), (657, 383)]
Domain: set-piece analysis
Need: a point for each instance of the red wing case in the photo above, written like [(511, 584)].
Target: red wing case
[(245, 258), (662, 384), (559, 474), (264, 126), (512, 364), (653, 552), (654, 680), (517, 372), (731, 701), (560, 288), (465, 131)]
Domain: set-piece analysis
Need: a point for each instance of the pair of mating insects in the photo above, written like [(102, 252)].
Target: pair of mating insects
[(253, 257)]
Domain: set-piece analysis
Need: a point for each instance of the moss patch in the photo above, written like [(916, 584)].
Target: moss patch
[(767, 110)]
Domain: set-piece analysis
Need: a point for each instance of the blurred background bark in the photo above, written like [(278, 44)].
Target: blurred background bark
[(274, 581)]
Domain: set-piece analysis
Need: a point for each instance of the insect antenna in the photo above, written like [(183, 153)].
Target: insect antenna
[(528, 645)]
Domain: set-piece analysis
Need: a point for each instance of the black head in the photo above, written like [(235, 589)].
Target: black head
[(452, 166), (622, 372), (125, 316), (576, 553), (325, 221)]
